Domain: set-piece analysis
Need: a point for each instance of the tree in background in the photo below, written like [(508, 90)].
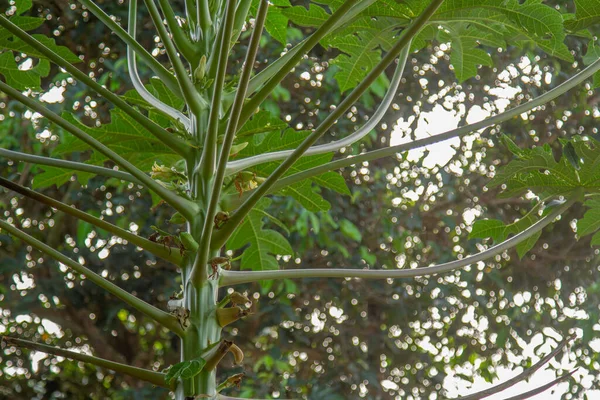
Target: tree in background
[(374, 310)]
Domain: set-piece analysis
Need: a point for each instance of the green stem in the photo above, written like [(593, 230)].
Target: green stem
[(282, 72), (181, 40), (209, 151), (193, 100), (185, 207), (73, 165), (232, 126), (163, 318), (155, 378), (229, 278), (165, 76), (405, 38), (564, 87), (204, 15), (191, 15), (241, 12), (174, 143), (166, 253)]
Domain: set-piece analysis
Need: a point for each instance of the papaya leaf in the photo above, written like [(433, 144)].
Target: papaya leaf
[(264, 244)]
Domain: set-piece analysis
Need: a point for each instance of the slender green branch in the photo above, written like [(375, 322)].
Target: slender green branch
[(191, 16), (251, 106), (263, 76), (167, 253), (229, 278), (526, 374), (543, 388), (232, 126), (564, 87), (165, 76), (163, 318), (155, 378), (405, 38), (184, 206), (183, 43), (73, 165), (173, 142), (209, 151), (241, 12), (203, 17), (192, 98)]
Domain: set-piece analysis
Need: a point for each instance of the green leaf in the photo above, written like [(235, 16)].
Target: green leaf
[(305, 194), (361, 44), (22, 6), (350, 230), (184, 370), (527, 244), (590, 222), (314, 16), (466, 57), (58, 176), (20, 78), (485, 228), (587, 14), (264, 244), (123, 135), (592, 54)]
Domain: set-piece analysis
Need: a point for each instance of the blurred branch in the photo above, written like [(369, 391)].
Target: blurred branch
[(522, 376), (541, 389), (156, 378)]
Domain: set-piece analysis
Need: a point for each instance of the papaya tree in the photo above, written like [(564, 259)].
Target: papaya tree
[(203, 137)]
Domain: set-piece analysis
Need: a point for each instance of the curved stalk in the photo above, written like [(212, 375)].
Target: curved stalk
[(405, 38), (183, 43), (526, 374), (135, 77), (73, 165), (155, 378), (185, 207), (163, 318), (168, 139), (232, 126), (166, 253), (160, 71), (238, 165), (193, 100), (229, 278), (462, 131)]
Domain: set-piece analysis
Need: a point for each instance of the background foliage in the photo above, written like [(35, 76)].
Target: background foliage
[(325, 338)]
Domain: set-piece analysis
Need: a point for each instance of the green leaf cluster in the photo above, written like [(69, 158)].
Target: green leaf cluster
[(468, 25), (264, 244)]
